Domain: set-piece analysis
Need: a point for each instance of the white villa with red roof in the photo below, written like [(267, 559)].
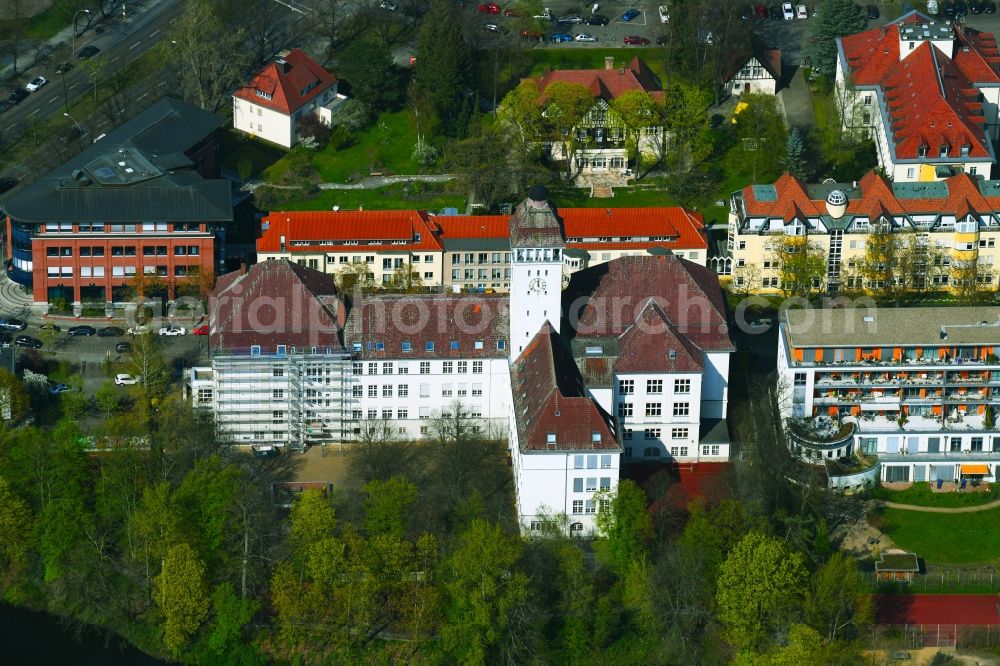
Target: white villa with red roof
[(629, 363), (926, 92), (600, 155), (281, 93)]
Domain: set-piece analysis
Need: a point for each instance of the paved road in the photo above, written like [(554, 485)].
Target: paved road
[(940, 509), (375, 182)]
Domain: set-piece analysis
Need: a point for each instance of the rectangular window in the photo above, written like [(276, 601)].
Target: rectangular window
[(654, 386), (447, 367), (402, 414), (387, 390), (386, 368), (477, 367), (358, 368), (682, 409), (578, 462), (372, 368), (357, 391), (591, 484), (463, 367), (624, 409), (372, 390), (425, 367), (403, 390), (591, 462), (605, 462), (626, 386), (605, 483), (578, 485), (682, 386), (425, 390), (577, 506), (446, 390), (654, 409), (651, 433), (591, 506), (678, 433)]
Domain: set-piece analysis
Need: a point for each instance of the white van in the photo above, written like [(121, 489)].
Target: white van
[(932, 7)]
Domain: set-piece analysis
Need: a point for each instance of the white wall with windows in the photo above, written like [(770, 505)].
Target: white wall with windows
[(659, 414)]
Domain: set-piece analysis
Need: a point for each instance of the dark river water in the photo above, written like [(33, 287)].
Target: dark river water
[(27, 637)]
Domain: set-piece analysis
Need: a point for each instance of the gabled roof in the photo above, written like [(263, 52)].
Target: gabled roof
[(312, 231), (617, 293), (931, 97), (137, 172), (289, 83), (874, 196), (272, 303), (653, 344), (551, 407), (770, 59), (607, 83), (534, 222), (456, 326)]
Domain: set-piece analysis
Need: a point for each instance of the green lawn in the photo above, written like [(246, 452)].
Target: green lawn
[(47, 23), (557, 58), (386, 198), (235, 147), (945, 538), (387, 146), (920, 494)]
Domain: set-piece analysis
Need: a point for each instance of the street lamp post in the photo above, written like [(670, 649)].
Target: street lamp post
[(78, 128), (78, 12)]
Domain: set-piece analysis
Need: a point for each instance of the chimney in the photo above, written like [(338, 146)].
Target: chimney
[(283, 65), (609, 62)]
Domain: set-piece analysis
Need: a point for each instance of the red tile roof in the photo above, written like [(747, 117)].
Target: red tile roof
[(653, 344), (607, 83), (473, 226), (931, 98), (291, 85), (549, 398), (617, 292), (464, 319), (687, 227), (329, 231), (872, 198), (275, 303)]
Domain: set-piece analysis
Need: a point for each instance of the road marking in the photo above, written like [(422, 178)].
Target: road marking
[(134, 45), (9, 126), (294, 9), (145, 94), (154, 32), (74, 85), (171, 20), (103, 124), (53, 99), (115, 58), (33, 112), (161, 83)]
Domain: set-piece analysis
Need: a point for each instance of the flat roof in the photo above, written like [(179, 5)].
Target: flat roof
[(900, 327), (901, 562)]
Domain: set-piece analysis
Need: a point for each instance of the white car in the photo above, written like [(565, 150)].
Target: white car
[(584, 37), (546, 15), (125, 380), (801, 12), (36, 84), (173, 330), (664, 15), (387, 5), (788, 11)]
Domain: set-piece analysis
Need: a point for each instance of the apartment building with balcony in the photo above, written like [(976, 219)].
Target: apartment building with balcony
[(956, 222), (470, 253), (144, 199), (926, 92), (915, 388)]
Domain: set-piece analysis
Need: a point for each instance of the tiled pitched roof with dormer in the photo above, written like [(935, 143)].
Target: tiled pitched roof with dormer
[(930, 94), (551, 407), (287, 83), (607, 83)]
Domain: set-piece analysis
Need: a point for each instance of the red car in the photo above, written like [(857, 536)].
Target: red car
[(636, 40), (490, 8), (528, 34), (201, 330)]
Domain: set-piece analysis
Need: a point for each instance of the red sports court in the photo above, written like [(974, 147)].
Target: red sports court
[(963, 609)]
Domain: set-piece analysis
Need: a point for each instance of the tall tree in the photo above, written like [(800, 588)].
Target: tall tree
[(181, 595), (836, 18), (839, 599), (520, 112), (623, 518), (566, 106), (374, 78), (687, 126), (760, 584), (386, 506), (802, 264), (15, 523), (443, 67), (795, 150), (637, 111), (495, 168), (760, 136), (486, 595)]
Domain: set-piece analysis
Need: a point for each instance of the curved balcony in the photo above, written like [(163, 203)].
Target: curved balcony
[(819, 434), (853, 474)]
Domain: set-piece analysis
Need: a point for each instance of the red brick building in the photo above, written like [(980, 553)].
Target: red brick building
[(143, 200)]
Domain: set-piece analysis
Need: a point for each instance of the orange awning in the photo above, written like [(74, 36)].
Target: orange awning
[(976, 469)]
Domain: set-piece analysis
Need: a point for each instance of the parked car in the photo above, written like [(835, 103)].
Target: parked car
[(661, 40), (7, 184), (761, 11), (123, 347), (584, 37), (872, 12), (88, 51), (630, 14), (776, 14), (801, 12), (546, 15), (636, 40), (788, 11), (111, 332), (125, 380), (495, 27), (989, 7), (85, 331), (489, 8), (664, 14), (598, 19), (263, 450), (138, 330), (173, 330), (64, 67), (932, 7), (49, 326), (570, 19), (387, 5), (28, 341), (200, 330), (4, 105), (36, 83), (716, 120), (12, 325), (528, 34), (746, 13), (559, 37), (56, 389), (17, 95), (961, 9), (976, 6)]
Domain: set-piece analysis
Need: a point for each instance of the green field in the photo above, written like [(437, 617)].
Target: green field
[(920, 494), (945, 538), (386, 198), (556, 58)]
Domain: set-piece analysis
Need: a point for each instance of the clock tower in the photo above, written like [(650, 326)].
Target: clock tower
[(536, 244)]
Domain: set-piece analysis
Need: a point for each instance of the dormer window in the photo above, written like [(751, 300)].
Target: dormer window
[(922, 151), (945, 148), (595, 437), (965, 149), (261, 93), (550, 438)]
